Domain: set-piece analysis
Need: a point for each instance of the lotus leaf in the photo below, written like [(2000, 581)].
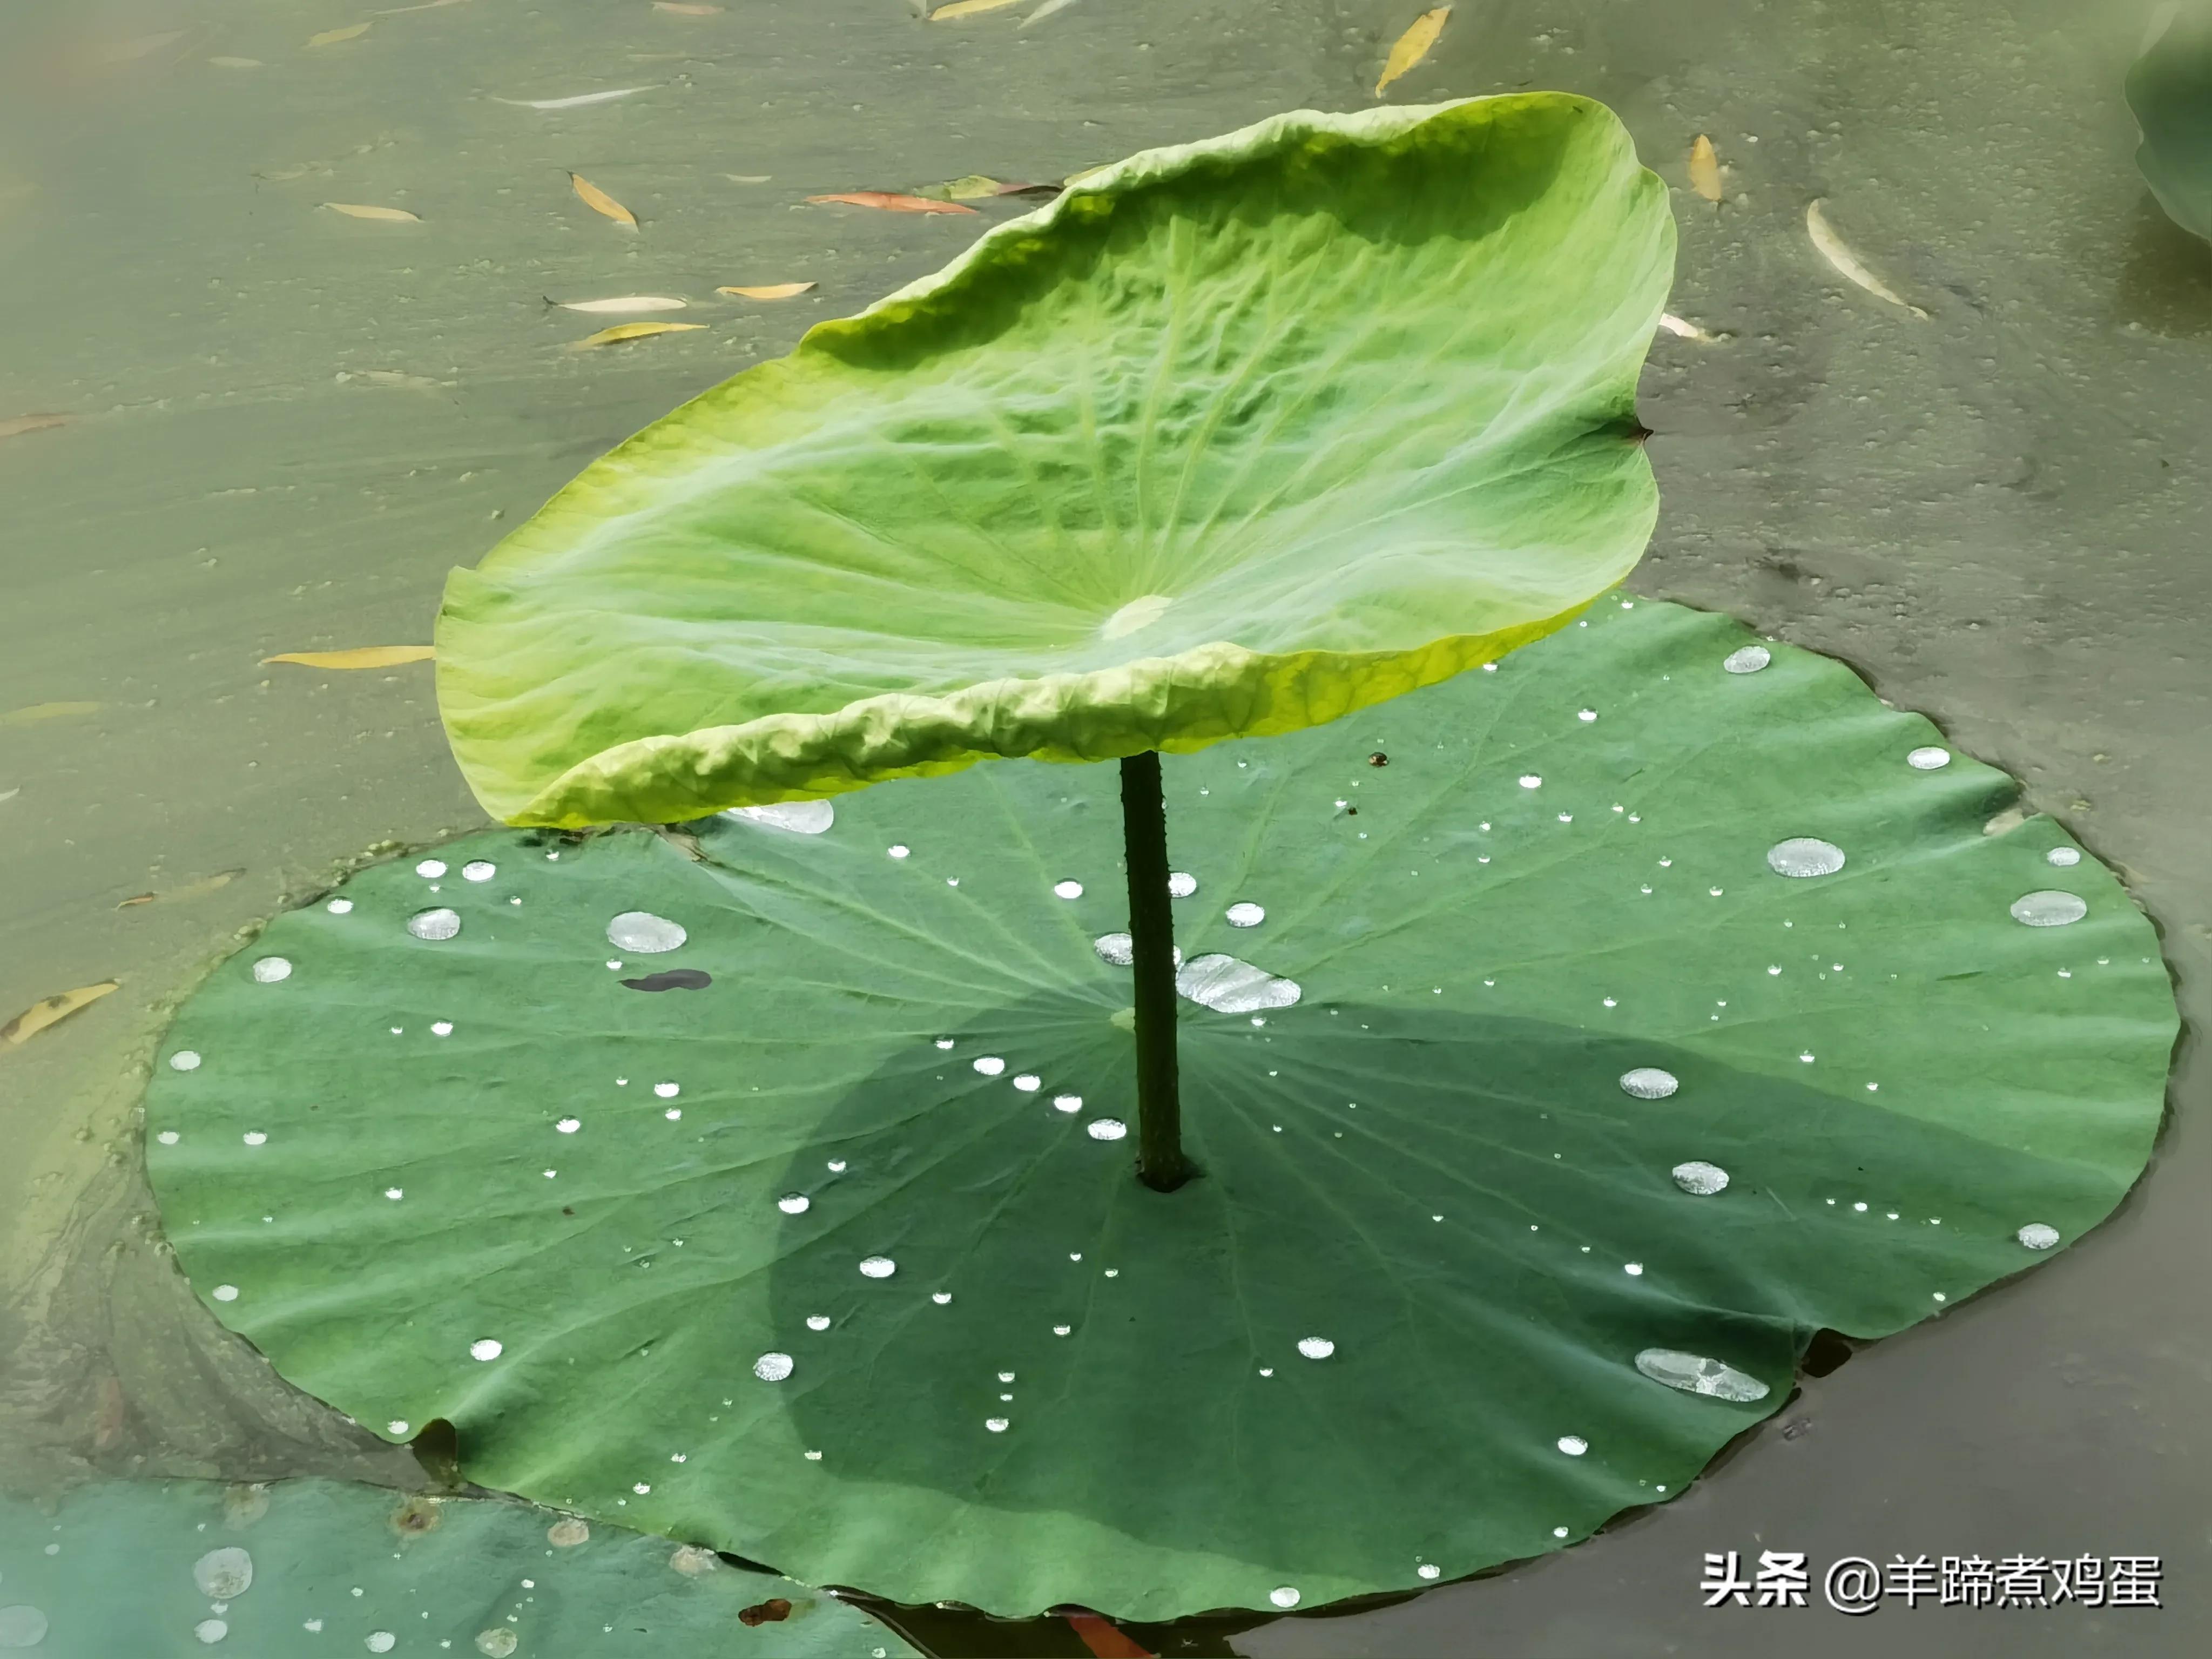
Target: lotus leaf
[(1231, 438), (2170, 90)]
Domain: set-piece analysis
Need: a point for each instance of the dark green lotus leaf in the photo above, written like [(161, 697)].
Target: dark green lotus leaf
[(133, 1570), (1449, 1291), (1230, 438), (2170, 90)]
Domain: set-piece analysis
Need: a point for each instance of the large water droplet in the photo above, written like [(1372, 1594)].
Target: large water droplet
[(431, 869), (1531, 781), (1695, 1374), (1803, 855), (1286, 1596), (878, 1267), (1573, 1444), (772, 1367), (644, 932), (497, 1643), (380, 1641), (1246, 915), (1430, 1570), (1116, 948), (223, 1575), (21, 1626), (2064, 857), (211, 1631), (1180, 884), (225, 1292), (817, 1321), (185, 1059), (1929, 759), (2037, 1236), (568, 1533), (799, 817), (793, 1203), (1106, 1128), (339, 906), (486, 1349), (479, 869), (1649, 1083), (1316, 1347), (2049, 909), (1068, 1102), (1747, 659), (269, 969), (1068, 889), (1230, 986), (996, 1424), (990, 1065), (434, 924), (1700, 1179)]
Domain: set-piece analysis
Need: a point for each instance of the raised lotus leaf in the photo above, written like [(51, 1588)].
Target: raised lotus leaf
[(2170, 90), (1231, 438), (1562, 1047)]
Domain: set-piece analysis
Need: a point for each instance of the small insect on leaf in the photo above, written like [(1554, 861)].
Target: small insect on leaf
[(52, 1011), (621, 331), (1413, 46), (360, 656), (356, 211), (599, 202), (331, 37), (46, 711), (685, 9), (627, 302), (18, 425), (967, 9), (891, 202), (773, 291), (1705, 170)]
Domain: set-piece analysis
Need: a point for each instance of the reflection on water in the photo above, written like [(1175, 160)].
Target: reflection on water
[(298, 300)]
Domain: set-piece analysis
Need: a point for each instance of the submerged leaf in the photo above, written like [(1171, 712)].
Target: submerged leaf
[(46, 711), (356, 211), (1687, 330), (627, 302), (578, 101), (859, 562), (621, 331), (1413, 46), (772, 291), (1046, 10), (360, 656), (52, 1011), (599, 202), (191, 889), (968, 9), (238, 63), (1705, 170), (17, 425), (2169, 89), (685, 9), (1829, 246), (332, 37), (892, 202)]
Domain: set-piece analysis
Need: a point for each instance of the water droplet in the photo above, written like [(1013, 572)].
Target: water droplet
[(1116, 948), (1061, 1330), (1068, 889), (184, 1060), (1700, 1179), (211, 1631), (1068, 1102), (940, 1297), (497, 1643), (167, 1137), (793, 1203), (1286, 1596), (1005, 1376), (1028, 1083), (1531, 781), (1316, 1347), (1694, 1373), (1430, 1570), (2037, 1236), (568, 1126), (2049, 909), (641, 1488), (438, 924), (431, 869), (1558, 1531), (1633, 1269), (223, 1575), (1649, 1082), (1802, 855), (269, 969), (255, 1137), (485, 1349), (1246, 915), (398, 1425), (1586, 715), (646, 933), (668, 1090), (799, 817), (990, 1065), (2064, 857), (1747, 659), (878, 1267), (379, 1641), (225, 1292), (1181, 884), (772, 1367), (898, 852), (1929, 759), (567, 1532), (817, 1321), (1230, 986), (339, 906), (837, 1166), (1573, 1444), (441, 1028), (479, 869), (996, 1424), (1106, 1128)]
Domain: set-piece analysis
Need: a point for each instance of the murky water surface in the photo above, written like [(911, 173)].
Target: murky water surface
[(284, 422)]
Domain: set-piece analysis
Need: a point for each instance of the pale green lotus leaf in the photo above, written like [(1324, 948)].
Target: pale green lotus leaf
[(2170, 90)]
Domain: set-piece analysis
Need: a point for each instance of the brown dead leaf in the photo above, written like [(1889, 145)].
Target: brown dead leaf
[(1705, 170), (17, 426), (684, 8), (52, 1011), (1413, 46), (967, 9), (360, 656), (46, 711), (331, 37), (621, 331), (772, 291), (599, 202), (355, 210), (891, 202), (191, 889)]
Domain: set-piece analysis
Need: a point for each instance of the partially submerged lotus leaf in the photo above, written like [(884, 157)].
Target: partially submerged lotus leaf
[(2170, 90), (1661, 1002), (133, 1567), (1231, 438)]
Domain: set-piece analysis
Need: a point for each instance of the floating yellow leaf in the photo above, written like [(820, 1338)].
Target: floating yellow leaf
[(1829, 246), (773, 291), (684, 8), (967, 9), (1705, 170), (191, 889), (52, 1011), (621, 331), (355, 210), (237, 62), (360, 656), (331, 37), (19, 424), (1687, 330), (748, 177), (892, 202), (1413, 46), (627, 302), (46, 711), (599, 202)]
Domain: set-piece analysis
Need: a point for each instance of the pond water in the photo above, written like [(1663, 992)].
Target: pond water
[(282, 424)]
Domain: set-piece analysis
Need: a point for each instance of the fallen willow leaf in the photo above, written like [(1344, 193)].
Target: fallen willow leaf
[(428, 5), (621, 331), (1705, 170), (52, 1011), (331, 37), (46, 711), (967, 9), (10, 794), (1413, 46), (772, 291), (599, 202), (576, 102), (237, 62), (16, 427), (355, 210), (684, 8), (627, 302), (1688, 330), (191, 889), (748, 177), (404, 382), (1831, 248), (891, 202), (1046, 10), (360, 656)]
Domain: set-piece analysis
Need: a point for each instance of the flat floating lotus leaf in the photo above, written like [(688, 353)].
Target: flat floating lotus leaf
[(1596, 1101), (1229, 440), (2170, 90), (129, 1569)]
